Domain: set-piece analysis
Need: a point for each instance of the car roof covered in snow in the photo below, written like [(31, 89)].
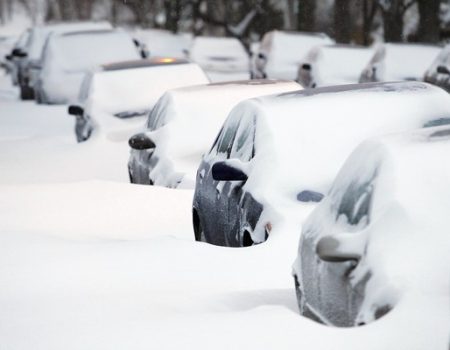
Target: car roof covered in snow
[(150, 62)]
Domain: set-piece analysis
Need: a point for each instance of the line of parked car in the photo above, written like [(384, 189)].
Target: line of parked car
[(247, 145)]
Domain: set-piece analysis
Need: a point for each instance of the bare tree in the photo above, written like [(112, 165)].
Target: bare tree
[(393, 12), (342, 21), (306, 15), (369, 10), (429, 23)]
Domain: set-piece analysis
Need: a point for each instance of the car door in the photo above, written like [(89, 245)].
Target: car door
[(143, 160), (328, 287), (210, 199), (243, 210)]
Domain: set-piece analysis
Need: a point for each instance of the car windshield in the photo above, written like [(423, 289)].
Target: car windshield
[(79, 52)]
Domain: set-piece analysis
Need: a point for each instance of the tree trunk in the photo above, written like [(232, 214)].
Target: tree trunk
[(306, 15), (342, 21), (429, 24), (393, 20)]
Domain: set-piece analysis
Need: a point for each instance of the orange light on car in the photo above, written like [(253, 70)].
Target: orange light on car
[(167, 60)]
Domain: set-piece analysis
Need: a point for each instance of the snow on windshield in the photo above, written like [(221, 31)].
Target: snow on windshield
[(140, 88), (285, 51), (79, 52), (219, 52), (398, 64), (340, 64)]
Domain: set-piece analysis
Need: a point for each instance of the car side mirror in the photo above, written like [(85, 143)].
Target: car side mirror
[(443, 70), (9, 57), (141, 141), (224, 171), (75, 110), (19, 53), (306, 66), (341, 248)]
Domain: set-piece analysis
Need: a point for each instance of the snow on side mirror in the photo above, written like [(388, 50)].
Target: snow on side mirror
[(141, 141), (75, 110), (225, 171), (342, 247)]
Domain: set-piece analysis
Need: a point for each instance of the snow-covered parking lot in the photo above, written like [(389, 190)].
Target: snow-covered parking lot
[(88, 261)]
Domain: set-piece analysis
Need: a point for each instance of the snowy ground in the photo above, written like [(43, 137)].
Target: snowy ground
[(88, 261)]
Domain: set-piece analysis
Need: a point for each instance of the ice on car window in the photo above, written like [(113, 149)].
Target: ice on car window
[(244, 141), (356, 202), (157, 119), (437, 122), (227, 137)]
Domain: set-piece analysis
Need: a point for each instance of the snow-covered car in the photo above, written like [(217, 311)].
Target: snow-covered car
[(395, 62), (182, 127), (15, 58), (114, 96), (333, 65), (69, 56), (289, 147), (223, 59), (381, 231), (439, 72), (30, 54), (280, 53)]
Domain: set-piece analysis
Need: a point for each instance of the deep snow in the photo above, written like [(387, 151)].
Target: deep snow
[(88, 261)]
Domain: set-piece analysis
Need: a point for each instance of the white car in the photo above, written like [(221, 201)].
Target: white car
[(223, 59), (69, 56), (333, 65), (381, 233), (278, 154), (183, 125), (115, 98), (396, 62), (30, 49), (439, 72), (280, 53)]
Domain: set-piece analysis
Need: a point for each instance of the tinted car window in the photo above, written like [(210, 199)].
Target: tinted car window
[(226, 137), (156, 118), (356, 202), (243, 146)]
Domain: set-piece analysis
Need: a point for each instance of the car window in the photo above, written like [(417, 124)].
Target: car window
[(243, 145), (156, 118), (437, 122), (85, 87), (226, 138), (355, 203)]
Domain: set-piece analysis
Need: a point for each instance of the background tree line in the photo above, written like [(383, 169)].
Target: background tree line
[(357, 21)]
